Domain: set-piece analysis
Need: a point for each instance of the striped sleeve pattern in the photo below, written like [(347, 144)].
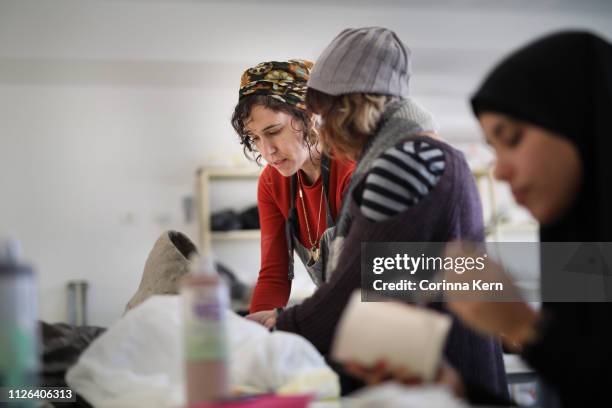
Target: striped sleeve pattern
[(401, 177)]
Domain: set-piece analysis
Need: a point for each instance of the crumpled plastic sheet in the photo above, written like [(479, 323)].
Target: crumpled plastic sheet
[(138, 361)]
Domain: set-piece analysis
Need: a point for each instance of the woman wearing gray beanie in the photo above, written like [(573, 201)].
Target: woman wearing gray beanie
[(407, 187)]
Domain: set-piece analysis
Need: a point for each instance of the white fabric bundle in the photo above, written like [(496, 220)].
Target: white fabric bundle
[(139, 361), (393, 395)]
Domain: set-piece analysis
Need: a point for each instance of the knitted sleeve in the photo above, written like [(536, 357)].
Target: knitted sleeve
[(401, 177)]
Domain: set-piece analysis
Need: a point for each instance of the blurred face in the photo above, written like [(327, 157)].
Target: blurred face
[(279, 138), (543, 169)]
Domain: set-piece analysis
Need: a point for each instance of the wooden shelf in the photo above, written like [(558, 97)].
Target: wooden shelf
[(205, 175), (517, 226), (229, 172), (481, 172), (236, 235)]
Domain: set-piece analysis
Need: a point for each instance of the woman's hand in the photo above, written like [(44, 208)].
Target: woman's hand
[(380, 372), (513, 321), (266, 318), (500, 314)]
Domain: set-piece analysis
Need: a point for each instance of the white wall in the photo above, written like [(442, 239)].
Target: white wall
[(108, 107)]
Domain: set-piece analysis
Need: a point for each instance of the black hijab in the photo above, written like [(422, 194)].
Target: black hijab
[(563, 83)]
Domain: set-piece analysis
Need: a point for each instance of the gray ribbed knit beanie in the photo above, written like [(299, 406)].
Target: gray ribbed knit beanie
[(368, 60)]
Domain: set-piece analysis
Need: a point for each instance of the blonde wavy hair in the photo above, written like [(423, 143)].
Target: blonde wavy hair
[(348, 120)]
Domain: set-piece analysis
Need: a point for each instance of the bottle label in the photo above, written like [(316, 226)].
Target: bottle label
[(205, 326), (17, 356)]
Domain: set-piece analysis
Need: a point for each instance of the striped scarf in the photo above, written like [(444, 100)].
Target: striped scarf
[(400, 120)]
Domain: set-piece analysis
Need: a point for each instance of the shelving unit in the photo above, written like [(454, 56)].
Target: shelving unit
[(485, 175), (237, 235), (495, 225), (205, 175)]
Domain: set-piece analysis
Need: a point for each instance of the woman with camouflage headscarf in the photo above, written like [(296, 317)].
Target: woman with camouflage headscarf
[(300, 190)]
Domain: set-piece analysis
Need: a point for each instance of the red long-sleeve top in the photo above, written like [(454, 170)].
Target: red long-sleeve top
[(273, 285)]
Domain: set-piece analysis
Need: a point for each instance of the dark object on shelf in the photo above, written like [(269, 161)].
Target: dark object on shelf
[(250, 218), (230, 220), (238, 290), (225, 220)]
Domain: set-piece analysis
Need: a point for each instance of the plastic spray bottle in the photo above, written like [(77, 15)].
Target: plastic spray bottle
[(18, 334), (205, 301)]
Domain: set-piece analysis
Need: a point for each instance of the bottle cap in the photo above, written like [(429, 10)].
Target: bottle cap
[(203, 265), (10, 251)]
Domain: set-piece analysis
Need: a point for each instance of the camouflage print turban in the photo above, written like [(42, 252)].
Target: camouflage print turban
[(282, 80)]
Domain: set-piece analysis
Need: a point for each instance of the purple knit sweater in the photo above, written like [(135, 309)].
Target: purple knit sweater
[(450, 211)]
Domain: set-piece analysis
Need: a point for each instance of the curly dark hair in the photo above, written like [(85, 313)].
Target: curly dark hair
[(243, 111)]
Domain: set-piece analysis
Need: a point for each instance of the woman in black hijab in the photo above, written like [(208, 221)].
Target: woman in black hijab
[(547, 112)]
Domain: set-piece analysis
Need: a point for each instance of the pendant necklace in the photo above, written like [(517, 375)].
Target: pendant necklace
[(314, 245)]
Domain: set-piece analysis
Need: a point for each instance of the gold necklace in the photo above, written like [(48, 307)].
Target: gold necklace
[(314, 246)]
